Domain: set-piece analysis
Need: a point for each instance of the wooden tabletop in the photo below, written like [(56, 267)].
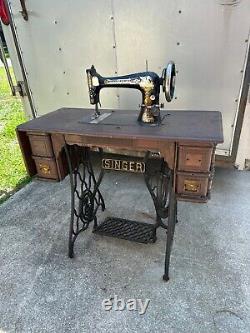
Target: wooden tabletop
[(176, 125)]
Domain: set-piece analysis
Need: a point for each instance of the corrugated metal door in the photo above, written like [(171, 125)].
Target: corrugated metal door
[(207, 40)]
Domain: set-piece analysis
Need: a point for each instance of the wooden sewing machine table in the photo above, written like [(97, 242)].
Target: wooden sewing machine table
[(176, 159)]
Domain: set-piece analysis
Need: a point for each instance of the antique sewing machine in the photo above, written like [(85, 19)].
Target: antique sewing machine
[(176, 159), (147, 82)]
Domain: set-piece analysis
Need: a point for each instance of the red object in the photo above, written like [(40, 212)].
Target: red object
[(4, 13)]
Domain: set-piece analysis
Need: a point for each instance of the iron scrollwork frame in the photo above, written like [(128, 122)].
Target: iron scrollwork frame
[(160, 184), (85, 189)]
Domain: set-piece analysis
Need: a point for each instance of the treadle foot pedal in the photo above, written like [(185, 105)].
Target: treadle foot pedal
[(127, 229)]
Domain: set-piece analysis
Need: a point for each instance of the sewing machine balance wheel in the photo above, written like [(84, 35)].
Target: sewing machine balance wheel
[(168, 81)]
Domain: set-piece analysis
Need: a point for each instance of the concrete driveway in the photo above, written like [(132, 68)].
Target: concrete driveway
[(42, 290)]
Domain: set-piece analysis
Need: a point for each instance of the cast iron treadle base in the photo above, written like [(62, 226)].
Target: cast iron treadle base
[(126, 229)]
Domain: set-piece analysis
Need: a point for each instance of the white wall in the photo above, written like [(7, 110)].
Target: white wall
[(206, 39)]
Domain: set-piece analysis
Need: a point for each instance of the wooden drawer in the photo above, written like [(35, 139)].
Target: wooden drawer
[(41, 145), (46, 167), (192, 184), (196, 159)]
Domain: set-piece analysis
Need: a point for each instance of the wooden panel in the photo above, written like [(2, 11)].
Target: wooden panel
[(41, 145), (60, 156), (192, 184), (46, 167), (167, 149), (196, 126), (98, 142), (195, 133), (194, 158), (26, 152)]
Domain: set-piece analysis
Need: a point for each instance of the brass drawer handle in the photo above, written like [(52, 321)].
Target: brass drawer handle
[(44, 168), (191, 186)]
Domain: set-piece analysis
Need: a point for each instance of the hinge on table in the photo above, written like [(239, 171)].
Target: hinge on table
[(24, 11), (20, 88)]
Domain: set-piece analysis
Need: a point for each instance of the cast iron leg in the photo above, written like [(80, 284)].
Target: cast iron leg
[(170, 232), (159, 182), (85, 195)]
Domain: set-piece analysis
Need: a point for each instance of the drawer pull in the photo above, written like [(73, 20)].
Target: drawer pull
[(44, 168), (191, 186)]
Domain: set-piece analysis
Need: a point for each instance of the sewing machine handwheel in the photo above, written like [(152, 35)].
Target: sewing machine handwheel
[(168, 81)]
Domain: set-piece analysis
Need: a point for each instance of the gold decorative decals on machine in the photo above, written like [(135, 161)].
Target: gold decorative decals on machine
[(147, 82)]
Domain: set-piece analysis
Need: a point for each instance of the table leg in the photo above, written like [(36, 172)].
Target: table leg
[(159, 181), (85, 195), (172, 220)]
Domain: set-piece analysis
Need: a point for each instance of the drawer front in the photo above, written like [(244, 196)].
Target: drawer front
[(46, 167), (92, 141), (196, 159), (41, 145), (193, 185)]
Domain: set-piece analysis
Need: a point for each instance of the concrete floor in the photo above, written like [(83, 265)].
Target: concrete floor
[(42, 290)]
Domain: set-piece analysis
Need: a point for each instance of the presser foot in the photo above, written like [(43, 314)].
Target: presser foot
[(95, 116), (97, 113)]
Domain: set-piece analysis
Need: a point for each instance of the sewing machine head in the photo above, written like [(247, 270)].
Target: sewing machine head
[(147, 82)]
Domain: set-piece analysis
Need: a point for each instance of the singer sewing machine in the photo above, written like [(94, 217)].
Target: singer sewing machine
[(147, 82), (176, 159)]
